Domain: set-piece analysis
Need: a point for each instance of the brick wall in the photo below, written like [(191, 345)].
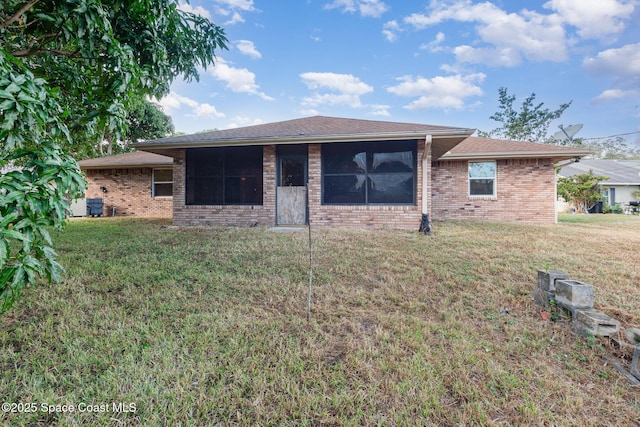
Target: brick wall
[(525, 192), (129, 191), (407, 217), (404, 217), (226, 215)]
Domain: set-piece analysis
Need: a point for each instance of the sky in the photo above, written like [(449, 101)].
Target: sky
[(428, 62)]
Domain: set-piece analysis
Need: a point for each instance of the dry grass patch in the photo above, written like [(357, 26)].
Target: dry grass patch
[(208, 326)]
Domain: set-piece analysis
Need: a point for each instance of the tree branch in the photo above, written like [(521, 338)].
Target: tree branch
[(18, 14), (32, 52)]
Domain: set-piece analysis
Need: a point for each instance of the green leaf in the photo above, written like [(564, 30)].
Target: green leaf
[(7, 104), (4, 253), (8, 219), (6, 94), (13, 234)]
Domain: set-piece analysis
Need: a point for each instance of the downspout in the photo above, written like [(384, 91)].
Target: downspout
[(555, 197), (425, 226)]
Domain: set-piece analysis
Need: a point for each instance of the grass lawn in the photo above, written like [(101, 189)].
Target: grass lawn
[(207, 326)]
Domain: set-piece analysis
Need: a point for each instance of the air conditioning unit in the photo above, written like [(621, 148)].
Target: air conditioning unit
[(78, 207)]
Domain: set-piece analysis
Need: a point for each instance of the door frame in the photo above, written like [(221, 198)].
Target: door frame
[(297, 152), (281, 157)]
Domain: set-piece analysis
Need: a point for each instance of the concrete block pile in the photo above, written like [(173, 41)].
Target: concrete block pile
[(576, 299)]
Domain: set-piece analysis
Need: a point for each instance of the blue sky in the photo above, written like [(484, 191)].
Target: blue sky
[(431, 62)]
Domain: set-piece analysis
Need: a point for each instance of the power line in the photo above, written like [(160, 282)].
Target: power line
[(612, 136)]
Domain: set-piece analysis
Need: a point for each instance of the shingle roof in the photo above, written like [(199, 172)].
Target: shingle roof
[(488, 148), (133, 159), (303, 129), (620, 172)]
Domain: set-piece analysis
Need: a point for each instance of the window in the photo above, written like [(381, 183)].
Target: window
[(369, 173), (224, 176), (482, 178), (162, 183)]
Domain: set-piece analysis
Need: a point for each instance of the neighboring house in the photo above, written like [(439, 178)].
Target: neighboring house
[(131, 184), (335, 171), (624, 177)]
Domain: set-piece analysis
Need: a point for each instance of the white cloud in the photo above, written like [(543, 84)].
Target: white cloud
[(309, 112), (238, 80), (526, 34), (240, 121), (207, 111), (380, 110), (199, 10), (245, 5), (435, 45), (234, 8), (594, 18), (346, 89), (390, 30), (506, 57), (247, 47), (440, 91), (173, 101), (315, 35), (610, 94), (372, 8), (622, 65), (236, 18)]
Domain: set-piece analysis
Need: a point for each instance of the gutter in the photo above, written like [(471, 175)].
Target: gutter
[(229, 142), (610, 183), (515, 155)]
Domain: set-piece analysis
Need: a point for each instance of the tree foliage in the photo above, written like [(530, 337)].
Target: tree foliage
[(147, 121), (69, 72), (529, 124), (144, 120), (582, 190), (615, 148)]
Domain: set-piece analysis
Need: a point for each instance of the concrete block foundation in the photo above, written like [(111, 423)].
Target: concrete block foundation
[(547, 279), (573, 294), (593, 322)]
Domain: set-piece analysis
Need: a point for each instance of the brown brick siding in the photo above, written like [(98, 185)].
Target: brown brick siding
[(226, 215), (366, 216), (525, 192), (404, 217), (129, 191)]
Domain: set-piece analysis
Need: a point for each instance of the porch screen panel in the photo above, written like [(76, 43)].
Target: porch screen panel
[(224, 176), (369, 173), (205, 168)]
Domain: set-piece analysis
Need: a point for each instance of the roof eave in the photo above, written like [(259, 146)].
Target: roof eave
[(155, 165), (304, 139), (516, 155), (610, 183)]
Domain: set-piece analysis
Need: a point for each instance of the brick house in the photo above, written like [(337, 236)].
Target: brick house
[(131, 184), (335, 171)]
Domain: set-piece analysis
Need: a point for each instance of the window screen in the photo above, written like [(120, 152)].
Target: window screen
[(369, 173), (224, 176)]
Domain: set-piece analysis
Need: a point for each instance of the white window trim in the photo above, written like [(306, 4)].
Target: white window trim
[(495, 180), (154, 182)]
